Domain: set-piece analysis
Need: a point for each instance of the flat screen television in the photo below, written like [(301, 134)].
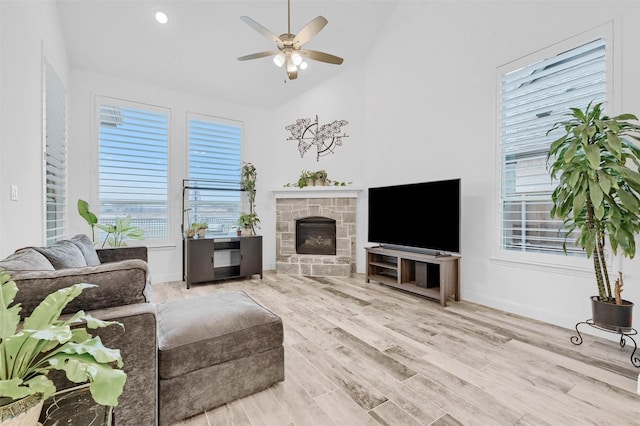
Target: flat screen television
[(418, 216)]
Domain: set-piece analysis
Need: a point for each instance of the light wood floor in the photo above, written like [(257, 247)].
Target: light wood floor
[(365, 354)]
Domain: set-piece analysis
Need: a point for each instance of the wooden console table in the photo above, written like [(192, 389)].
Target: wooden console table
[(436, 277)]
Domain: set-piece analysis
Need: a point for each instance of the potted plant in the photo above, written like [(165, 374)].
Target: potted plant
[(43, 342), (200, 228), (595, 164), (116, 233), (321, 176), (248, 222), (248, 176)]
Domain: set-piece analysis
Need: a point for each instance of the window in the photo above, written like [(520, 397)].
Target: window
[(214, 166), (532, 99), (133, 166), (55, 122)]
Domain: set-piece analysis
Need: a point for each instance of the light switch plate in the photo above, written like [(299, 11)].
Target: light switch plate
[(14, 192)]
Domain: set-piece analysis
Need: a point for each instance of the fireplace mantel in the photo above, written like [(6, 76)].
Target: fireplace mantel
[(318, 192)]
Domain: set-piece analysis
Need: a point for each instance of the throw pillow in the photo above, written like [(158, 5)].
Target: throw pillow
[(87, 248), (63, 254), (26, 259)]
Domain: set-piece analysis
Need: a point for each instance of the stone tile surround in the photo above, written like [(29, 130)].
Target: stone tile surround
[(335, 203)]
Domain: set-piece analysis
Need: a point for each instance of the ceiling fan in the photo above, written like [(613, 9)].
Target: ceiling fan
[(290, 52)]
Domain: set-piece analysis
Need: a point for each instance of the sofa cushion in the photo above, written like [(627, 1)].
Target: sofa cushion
[(87, 248), (26, 259), (202, 331), (119, 283), (63, 254)]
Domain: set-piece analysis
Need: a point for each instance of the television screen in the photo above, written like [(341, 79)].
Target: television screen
[(422, 216)]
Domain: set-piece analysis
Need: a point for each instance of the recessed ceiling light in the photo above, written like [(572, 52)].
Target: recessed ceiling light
[(162, 17)]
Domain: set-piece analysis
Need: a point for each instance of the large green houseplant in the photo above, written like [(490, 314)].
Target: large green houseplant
[(596, 164), (43, 342), (248, 176), (116, 233)]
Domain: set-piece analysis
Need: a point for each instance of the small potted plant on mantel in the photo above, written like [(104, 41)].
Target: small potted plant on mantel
[(598, 190), (43, 342)]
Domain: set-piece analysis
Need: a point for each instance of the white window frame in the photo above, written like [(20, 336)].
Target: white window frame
[(537, 260), (55, 157), (106, 100)]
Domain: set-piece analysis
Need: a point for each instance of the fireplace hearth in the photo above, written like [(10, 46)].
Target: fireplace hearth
[(316, 235)]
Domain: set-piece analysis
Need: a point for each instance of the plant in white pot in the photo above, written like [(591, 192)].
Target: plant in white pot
[(43, 342), (596, 167)]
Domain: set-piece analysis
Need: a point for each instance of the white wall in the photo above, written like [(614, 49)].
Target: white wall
[(165, 262), (28, 30)]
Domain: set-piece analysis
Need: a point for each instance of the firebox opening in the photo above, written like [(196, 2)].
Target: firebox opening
[(316, 235)]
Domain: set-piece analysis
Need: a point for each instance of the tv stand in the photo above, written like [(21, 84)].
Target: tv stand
[(433, 276)]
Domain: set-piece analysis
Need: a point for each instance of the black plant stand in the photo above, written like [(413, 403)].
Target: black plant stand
[(577, 340)]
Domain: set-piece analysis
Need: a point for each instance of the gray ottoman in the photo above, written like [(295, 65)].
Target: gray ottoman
[(215, 349)]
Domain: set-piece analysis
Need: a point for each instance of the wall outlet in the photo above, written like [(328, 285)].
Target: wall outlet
[(14, 192)]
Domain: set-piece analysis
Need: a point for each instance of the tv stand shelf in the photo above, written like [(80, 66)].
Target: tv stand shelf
[(435, 277)]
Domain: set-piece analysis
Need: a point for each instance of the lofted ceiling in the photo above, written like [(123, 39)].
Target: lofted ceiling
[(197, 50)]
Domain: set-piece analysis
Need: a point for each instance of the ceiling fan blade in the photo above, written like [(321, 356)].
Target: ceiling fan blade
[(258, 55), (321, 56), (310, 30), (262, 30)]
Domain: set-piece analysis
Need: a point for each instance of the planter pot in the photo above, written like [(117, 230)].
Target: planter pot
[(248, 231), (202, 232), (23, 412), (611, 316)]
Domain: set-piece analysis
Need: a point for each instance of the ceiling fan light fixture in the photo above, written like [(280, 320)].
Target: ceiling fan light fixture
[(296, 58), (162, 17), (290, 52), (279, 60), (303, 65)]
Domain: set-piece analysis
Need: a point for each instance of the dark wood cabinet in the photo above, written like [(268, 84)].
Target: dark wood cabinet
[(211, 259)]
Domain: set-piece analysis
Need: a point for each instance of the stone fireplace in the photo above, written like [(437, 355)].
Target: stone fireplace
[(316, 231)]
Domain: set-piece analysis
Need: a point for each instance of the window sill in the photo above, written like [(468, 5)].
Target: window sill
[(573, 267)]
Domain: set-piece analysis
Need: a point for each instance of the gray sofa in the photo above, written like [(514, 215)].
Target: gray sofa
[(181, 357), (122, 294)]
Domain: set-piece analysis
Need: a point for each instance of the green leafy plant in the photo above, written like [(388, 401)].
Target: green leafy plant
[(29, 350), (116, 232), (598, 184), (248, 177), (199, 225), (307, 178), (91, 218), (248, 221)]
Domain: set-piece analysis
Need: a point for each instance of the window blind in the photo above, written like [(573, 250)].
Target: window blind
[(533, 98), (133, 167), (214, 164), (55, 118)]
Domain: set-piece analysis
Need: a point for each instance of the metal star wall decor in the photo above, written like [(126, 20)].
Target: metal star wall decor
[(325, 138)]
